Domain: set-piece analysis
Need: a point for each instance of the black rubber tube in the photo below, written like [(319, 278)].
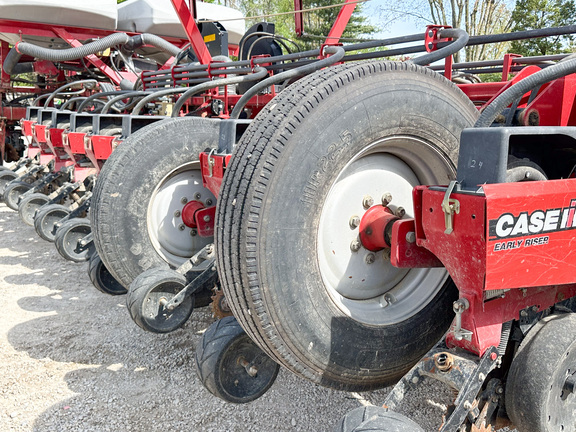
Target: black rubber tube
[(259, 73), (337, 53), (461, 39), (56, 55), (126, 95), (517, 90)]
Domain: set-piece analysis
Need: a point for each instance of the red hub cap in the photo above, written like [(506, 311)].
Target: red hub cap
[(189, 213), (373, 227)]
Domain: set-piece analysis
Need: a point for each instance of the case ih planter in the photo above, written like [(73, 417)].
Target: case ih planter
[(291, 183)]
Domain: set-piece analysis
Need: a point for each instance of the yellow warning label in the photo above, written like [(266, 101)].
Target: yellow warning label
[(210, 38)]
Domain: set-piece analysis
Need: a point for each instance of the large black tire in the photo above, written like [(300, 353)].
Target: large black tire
[(541, 385), (47, 218), (12, 193), (138, 195), (29, 205), (297, 177), (219, 356)]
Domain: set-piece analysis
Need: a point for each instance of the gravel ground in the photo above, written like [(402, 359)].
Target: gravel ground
[(71, 359)]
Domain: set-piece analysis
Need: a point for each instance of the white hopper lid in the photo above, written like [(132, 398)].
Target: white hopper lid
[(159, 17), (101, 14)]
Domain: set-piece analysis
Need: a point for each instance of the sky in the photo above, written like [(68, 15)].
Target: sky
[(398, 28)]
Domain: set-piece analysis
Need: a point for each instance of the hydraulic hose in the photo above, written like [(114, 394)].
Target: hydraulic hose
[(258, 74), (461, 39), (337, 53), (90, 98), (84, 83), (517, 90), (11, 66), (127, 95)]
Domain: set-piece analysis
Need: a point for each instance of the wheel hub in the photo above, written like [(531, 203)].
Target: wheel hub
[(372, 191), (171, 214)]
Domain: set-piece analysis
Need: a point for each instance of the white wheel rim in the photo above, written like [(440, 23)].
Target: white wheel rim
[(377, 293), (170, 237)]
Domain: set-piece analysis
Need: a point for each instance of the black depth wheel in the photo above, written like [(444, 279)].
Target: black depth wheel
[(29, 205), (137, 219), (376, 419), (339, 316), (231, 366), (541, 385), (12, 193), (47, 218), (101, 278), (6, 176), (68, 237), (147, 295)]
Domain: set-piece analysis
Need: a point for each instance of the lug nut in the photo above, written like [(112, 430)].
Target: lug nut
[(354, 222), (181, 227), (386, 198), (197, 195), (208, 202), (183, 200), (370, 258), (177, 213), (368, 202), (386, 254), (400, 212), (355, 246), (193, 233)]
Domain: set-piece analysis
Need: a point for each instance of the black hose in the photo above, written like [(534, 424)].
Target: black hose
[(126, 95), (517, 90), (259, 73), (337, 53), (56, 55), (461, 39), (90, 98), (65, 86)]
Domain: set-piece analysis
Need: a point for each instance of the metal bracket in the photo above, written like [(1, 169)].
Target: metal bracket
[(459, 307), (450, 206)]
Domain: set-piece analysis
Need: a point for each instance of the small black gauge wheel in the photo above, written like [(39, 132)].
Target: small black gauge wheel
[(231, 366), (148, 294)]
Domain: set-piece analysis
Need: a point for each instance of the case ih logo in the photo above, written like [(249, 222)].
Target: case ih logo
[(535, 223)]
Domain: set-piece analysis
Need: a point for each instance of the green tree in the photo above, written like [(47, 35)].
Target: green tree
[(537, 14)]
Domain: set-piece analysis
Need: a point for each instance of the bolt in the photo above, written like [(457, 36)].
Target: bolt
[(197, 195), (499, 390), (386, 198), (535, 308), (177, 213), (181, 227), (193, 232), (354, 222), (208, 202), (400, 212), (386, 254), (206, 218), (355, 246), (411, 237), (183, 200), (481, 377), (467, 405), (523, 313), (415, 380), (367, 201), (370, 258)]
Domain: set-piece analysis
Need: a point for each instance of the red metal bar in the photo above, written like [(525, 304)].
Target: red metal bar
[(194, 36), (341, 22), (298, 18)]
